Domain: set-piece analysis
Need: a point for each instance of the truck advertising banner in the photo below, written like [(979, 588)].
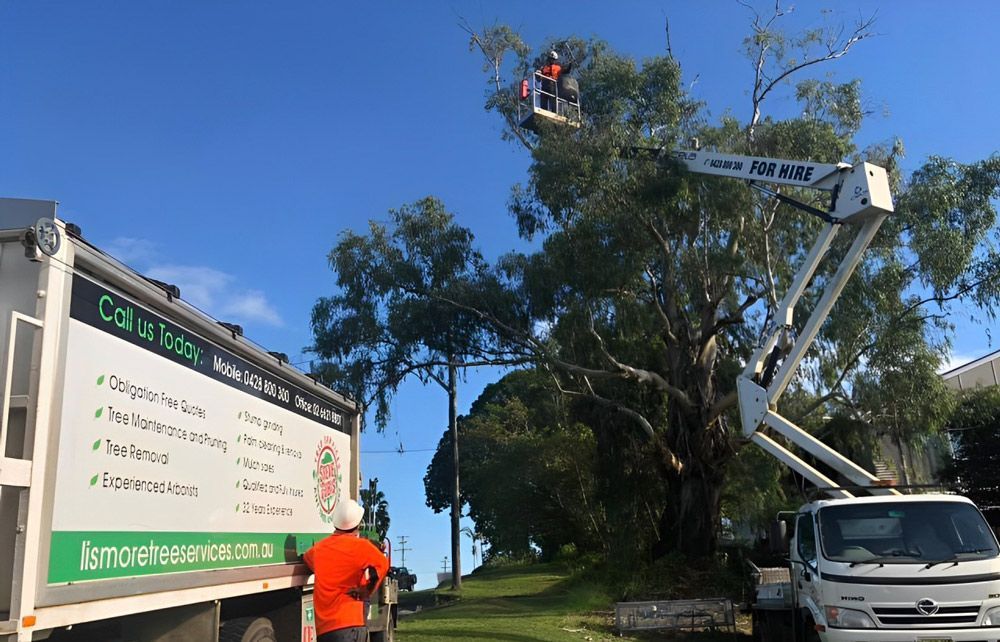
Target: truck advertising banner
[(176, 455)]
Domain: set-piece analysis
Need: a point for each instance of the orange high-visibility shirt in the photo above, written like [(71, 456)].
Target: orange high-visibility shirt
[(552, 70), (338, 563)]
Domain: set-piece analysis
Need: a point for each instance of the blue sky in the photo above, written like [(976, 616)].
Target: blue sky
[(224, 145)]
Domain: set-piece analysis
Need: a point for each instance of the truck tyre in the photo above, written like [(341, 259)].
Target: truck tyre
[(389, 635), (809, 633), (247, 629)]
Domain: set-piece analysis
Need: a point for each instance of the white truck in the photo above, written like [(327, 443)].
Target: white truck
[(159, 474), (883, 567)]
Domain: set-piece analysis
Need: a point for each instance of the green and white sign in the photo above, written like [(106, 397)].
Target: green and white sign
[(176, 455)]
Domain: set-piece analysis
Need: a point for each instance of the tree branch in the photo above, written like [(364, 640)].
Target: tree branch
[(494, 58), (763, 84), (639, 374)]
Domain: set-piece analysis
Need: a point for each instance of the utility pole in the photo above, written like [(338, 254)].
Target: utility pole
[(456, 497), (403, 549), (444, 565)]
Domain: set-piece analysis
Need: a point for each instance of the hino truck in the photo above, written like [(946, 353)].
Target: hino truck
[(160, 475), (866, 563)]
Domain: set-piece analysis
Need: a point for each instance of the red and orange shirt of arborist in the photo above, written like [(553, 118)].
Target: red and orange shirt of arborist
[(552, 69)]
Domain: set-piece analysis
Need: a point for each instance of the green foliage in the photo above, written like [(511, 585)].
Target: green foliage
[(974, 470), (382, 327), (652, 286), (649, 291), (755, 491), (527, 471)]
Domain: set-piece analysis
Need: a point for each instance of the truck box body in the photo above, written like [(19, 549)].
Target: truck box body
[(153, 458)]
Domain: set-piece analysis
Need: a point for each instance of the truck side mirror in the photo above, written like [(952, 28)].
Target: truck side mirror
[(778, 538)]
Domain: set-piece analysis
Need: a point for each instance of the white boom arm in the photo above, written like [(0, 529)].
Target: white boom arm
[(861, 198)]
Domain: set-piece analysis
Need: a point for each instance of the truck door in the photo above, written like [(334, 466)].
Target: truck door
[(805, 573)]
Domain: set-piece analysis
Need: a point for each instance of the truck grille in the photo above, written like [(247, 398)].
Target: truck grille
[(909, 616)]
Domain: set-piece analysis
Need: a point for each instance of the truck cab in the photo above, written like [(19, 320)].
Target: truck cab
[(895, 568)]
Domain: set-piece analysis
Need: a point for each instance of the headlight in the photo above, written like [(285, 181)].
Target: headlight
[(992, 617), (852, 619)]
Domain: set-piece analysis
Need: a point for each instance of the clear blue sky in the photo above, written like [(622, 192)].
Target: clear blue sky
[(223, 145)]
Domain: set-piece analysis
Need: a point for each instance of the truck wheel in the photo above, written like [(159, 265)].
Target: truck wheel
[(247, 629), (809, 633), (389, 635)]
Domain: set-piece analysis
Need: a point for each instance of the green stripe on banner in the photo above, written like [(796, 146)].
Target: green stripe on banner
[(78, 556)]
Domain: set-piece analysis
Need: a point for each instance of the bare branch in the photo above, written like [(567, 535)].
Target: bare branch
[(836, 47), (494, 58)]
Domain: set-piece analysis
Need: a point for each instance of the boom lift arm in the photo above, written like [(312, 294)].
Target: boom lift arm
[(860, 199)]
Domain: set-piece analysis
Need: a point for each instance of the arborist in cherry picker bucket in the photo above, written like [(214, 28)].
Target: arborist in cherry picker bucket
[(557, 83), (552, 96)]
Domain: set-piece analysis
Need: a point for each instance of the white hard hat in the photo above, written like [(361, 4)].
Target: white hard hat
[(554, 55), (347, 515)]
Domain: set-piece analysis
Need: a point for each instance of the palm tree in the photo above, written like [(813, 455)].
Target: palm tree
[(376, 508), (476, 537)]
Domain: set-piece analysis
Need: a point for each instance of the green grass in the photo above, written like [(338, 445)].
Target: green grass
[(536, 603)]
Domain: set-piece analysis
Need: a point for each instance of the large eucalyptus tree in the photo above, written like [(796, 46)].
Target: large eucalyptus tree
[(653, 286)]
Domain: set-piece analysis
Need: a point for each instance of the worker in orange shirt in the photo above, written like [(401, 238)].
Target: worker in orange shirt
[(348, 569), (550, 76)]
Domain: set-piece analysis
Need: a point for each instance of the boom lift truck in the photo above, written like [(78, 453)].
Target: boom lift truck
[(884, 567)]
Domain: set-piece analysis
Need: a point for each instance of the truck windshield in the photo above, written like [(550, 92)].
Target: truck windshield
[(905, 533)]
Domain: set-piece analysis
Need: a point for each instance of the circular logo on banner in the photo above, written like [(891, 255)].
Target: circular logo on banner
[(328, 478)]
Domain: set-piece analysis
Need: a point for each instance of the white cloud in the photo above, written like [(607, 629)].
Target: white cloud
[(214, 292), (130, 250), (200, 286), (252, 304)]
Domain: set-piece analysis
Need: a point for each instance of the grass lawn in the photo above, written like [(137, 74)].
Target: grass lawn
[(538, 603)]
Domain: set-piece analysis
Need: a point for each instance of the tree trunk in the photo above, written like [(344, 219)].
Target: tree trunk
[(456, 502), (690, 521)]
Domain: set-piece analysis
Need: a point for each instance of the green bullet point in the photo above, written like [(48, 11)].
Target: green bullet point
[(100, 411), (238, 437), (237, 508), (93, 480), (237, 461), (237, 483), (100, 380), (97, 444)]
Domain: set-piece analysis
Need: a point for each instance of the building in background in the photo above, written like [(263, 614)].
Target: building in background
[(981, 372)]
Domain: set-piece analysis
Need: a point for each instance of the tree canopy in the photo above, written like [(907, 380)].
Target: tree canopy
[(651, 286), (528, 470)]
